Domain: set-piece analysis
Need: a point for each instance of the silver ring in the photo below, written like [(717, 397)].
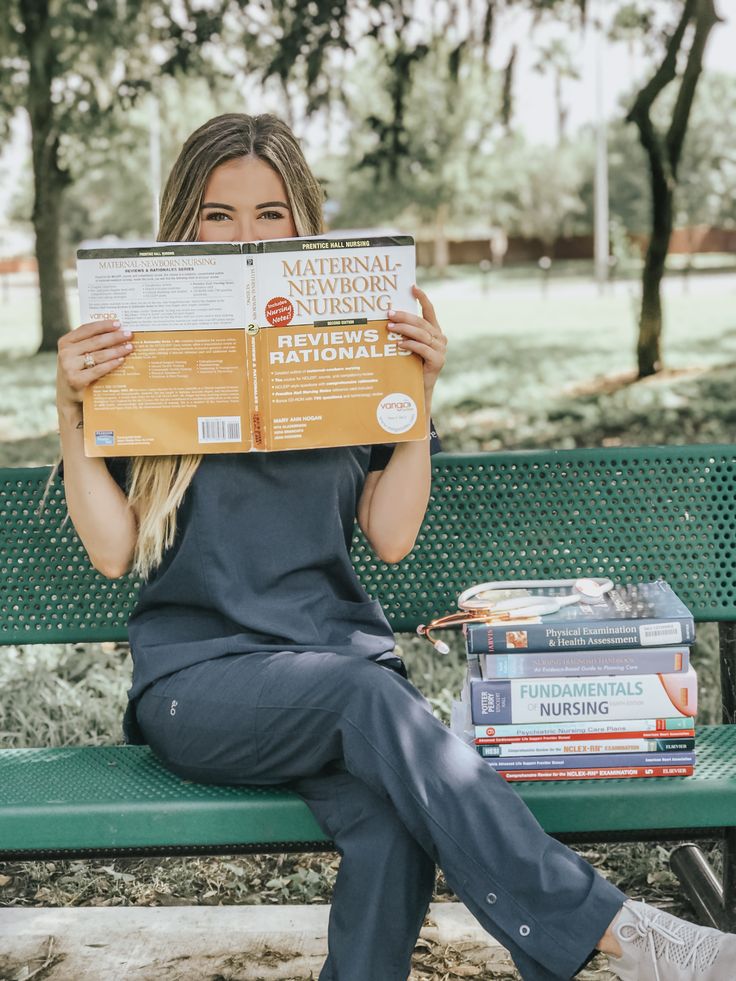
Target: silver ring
[(89, 361)]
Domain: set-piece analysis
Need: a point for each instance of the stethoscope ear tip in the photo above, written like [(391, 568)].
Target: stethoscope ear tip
[(441, 646)]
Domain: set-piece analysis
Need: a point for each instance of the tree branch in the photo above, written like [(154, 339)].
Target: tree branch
[(667, 70), (706, 19)]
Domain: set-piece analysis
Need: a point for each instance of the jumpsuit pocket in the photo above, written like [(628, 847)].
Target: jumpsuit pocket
[(198, 733)]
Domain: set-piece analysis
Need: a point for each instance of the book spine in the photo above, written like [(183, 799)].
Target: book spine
[(577, 747), (642, 660), (625, 633), (591, 760), (598, 773), (624, 728), (564, 699), (614, 738), (257, 403)]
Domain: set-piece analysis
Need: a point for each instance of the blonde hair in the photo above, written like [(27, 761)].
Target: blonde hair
[(157, 484)]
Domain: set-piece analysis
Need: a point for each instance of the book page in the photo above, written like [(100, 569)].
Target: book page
[(183, 388)]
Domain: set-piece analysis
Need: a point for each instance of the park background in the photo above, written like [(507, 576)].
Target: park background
[(507, 138)]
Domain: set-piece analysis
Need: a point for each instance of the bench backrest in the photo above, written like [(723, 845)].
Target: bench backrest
[(629, 514)]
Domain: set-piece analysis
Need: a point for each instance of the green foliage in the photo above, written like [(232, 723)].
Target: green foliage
[(112, 191), (448, 132), (706, 192), (62, 695), (314, 39)]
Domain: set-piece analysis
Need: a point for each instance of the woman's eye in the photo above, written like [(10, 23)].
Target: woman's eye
[(216, 215), (272, 215)]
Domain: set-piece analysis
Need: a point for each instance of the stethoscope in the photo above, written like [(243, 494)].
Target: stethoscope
[(489, 602)]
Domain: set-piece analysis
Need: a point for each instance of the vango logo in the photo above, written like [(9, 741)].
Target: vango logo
[(396, 413)]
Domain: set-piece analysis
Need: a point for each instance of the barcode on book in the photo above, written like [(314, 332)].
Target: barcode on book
[(218, 429), (660, 633)]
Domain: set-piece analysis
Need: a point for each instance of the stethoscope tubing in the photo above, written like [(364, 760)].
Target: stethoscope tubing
[(530, 606)]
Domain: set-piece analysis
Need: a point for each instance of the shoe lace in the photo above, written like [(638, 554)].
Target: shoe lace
[(680, 943)]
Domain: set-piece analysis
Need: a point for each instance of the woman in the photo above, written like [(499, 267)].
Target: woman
[(259, 659)]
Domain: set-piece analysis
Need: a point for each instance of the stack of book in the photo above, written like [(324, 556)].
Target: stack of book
[(598, 689)]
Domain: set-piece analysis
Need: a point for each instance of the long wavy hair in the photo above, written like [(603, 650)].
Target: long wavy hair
[(157, 484)]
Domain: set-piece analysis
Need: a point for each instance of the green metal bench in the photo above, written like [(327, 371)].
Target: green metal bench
[(628, 514)]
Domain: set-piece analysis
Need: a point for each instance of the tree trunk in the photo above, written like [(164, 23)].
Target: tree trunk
[(664, 156), (49, 186), (49, 179), (648, 351)]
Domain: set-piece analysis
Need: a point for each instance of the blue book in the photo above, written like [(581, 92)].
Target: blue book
[(640, 660), (645, 614)]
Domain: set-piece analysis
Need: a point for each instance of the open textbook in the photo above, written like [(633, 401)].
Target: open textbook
[(274, 345)]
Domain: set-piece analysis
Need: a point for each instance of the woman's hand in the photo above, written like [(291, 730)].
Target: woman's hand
[(422, 335), (86, 354)]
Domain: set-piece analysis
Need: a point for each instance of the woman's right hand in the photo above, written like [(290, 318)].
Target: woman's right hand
[(104, 342)]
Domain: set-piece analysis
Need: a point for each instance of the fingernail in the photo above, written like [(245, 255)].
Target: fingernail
[(127, 333), (116, 323), (390, 313)]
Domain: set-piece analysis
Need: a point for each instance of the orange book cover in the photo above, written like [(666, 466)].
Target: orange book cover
[(239, 346)]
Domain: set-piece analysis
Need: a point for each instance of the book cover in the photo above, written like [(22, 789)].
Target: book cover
[(591, 760), (563, 699), (578, 747), (642, 660), (274, 345), (682, 726), (599, 773), (629, 616)]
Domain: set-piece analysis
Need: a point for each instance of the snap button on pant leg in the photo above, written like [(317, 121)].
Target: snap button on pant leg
[(491, 898), (524, 930)]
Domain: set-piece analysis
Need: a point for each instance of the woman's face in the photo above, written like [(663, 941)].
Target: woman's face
[(244, 201)]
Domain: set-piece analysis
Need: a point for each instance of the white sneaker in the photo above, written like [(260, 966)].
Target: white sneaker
[(657, 946)]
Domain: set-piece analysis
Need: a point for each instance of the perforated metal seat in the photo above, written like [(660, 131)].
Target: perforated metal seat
[(114, 798)]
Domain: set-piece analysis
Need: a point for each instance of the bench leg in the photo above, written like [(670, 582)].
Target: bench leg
[(713, 901), (729, 881), (699, 883), (727, 645)]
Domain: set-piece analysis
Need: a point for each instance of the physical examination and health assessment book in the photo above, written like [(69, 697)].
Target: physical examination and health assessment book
[(646, 614), (237, 346)]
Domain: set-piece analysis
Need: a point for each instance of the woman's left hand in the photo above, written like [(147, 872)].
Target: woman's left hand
[(422, 335)]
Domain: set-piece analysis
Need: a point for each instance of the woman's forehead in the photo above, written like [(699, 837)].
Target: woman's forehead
[(245, 178)]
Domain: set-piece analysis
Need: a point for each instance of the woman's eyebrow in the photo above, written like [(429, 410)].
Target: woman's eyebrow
[(214, 204), (272, 204)]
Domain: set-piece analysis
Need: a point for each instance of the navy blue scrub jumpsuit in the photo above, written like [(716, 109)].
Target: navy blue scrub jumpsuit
[(257, 661)]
